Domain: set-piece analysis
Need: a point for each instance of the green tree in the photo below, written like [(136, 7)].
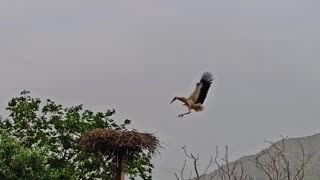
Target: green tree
[(19, 162), (59, 129)]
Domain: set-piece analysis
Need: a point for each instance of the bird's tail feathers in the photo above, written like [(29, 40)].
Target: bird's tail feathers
[(198, 108)]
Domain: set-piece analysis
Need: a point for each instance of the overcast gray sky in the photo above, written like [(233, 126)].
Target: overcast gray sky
[(136, 56)]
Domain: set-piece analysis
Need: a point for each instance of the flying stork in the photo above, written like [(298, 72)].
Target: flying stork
[(197, 98)]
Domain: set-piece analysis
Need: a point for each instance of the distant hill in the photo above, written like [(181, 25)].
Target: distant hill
[(311, 144)]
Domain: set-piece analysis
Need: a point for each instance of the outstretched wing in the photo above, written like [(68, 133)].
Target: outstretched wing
[(206, 81)]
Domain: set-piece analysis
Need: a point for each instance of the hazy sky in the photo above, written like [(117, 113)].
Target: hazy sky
[(135, 56)]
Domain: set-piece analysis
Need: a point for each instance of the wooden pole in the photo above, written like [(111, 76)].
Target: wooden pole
[(120, 174)]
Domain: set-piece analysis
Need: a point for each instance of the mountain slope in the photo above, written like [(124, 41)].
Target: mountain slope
[(311, 144)]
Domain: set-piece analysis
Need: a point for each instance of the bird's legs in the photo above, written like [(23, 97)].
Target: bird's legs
[(184, 100), (189, 108), (181, 115)]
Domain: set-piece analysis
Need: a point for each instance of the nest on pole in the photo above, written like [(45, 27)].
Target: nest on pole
[(118, 143)]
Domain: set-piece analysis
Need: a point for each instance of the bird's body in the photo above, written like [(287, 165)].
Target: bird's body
[(196, 99)]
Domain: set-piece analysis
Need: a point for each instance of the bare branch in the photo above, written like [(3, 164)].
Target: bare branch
[(209, 165), (184, 165), (228, 171), (195, 160), (176, 176), (276, 165)]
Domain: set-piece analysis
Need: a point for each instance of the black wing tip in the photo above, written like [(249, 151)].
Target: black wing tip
[(207, 77)]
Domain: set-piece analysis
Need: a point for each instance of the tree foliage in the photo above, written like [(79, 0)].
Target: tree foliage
[(36, 125), (19, 162)]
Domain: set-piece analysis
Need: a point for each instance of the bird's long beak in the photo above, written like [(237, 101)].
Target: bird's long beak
[(173, 100)]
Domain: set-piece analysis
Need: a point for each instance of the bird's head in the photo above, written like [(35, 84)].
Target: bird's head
[(173, 99)]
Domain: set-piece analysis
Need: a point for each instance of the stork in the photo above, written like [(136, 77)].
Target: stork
[(197, 98)]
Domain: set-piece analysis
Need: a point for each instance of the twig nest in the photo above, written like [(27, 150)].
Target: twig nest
[(116, 142)]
